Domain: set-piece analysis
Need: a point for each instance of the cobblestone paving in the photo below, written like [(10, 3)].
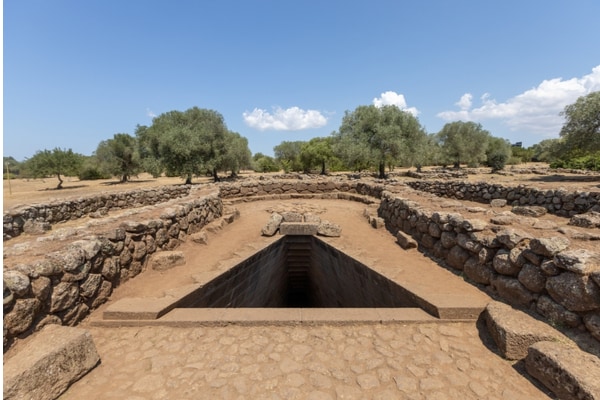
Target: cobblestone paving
[(421, 361)]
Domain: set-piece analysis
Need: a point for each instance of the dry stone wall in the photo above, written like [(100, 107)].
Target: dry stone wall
[(539, 274), (39, 217), (289, 188), (65, 285), (561, 284), (559, 202)]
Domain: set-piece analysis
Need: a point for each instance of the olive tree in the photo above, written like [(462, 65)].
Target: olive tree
[(54, 162), (317, 151), (237, 154), (581, 130), (379, 135), (287, 154), (184, 143), (119, 156), (463, 142)]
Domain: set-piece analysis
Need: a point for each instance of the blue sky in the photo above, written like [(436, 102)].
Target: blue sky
[(78, 72)]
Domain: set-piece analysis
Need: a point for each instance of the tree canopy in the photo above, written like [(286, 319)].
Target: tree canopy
[(288, 155), (463, 142), (185, 143), (119, 156), (237, 154), (380, 135), (317, 151), (56, 162), (581, 130)]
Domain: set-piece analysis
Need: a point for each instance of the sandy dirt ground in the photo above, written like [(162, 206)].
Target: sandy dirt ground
[(27, 191)]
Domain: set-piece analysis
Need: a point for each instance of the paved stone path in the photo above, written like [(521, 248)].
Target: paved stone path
[(420, 361)]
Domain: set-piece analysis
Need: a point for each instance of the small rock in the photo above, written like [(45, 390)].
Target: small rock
[(587, 220), (511, 237), (548, 247), (199, 237), (580, 261), (272, 225), (329, 229), (474, 225), (164, 260), (574, 292), (592, 323), (556, 313), (497, 203), (529, 211), (17, 282), (405, 241)]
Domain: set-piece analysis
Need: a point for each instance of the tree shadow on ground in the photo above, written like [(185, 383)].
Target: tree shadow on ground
[(565, 178), (112, 183), (64, 188)]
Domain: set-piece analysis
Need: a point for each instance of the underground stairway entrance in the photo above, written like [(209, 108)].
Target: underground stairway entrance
[(296, 279), (300, 272)]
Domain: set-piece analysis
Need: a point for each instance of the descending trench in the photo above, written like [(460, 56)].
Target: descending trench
[(300, 272)]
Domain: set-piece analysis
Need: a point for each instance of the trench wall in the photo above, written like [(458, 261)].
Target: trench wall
[(559, 202), (541, 275), (335, 280)]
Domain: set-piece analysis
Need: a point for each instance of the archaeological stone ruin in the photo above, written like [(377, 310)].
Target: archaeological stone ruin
[(543, 275)]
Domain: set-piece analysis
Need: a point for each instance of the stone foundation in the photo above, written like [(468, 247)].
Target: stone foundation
[(540, 275)]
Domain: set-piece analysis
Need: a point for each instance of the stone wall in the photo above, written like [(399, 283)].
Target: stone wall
[(65, 285), (269, 187), (40, 217), (559, 201), (539, 274)]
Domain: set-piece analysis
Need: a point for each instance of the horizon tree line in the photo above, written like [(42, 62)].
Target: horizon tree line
[(197, 142)]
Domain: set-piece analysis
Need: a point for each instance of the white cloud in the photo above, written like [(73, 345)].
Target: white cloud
[(465, 101), (290, 119), (150, 113), (391, 98), (535, 110)]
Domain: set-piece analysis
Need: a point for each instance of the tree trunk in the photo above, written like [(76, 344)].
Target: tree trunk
[(188, 180), (381, 170), (60, 182), (323, 168), (215, 176), (124, 178)]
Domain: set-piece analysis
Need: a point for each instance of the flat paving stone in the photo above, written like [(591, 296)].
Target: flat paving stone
[(366, 361)]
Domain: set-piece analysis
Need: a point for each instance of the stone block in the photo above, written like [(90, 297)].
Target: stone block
[(329, 229), (405, 241), (272, 225), (570, 373), (52, 360), (497, 203), (298, 228), (377, 222), (165, 260), (514, 331)]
